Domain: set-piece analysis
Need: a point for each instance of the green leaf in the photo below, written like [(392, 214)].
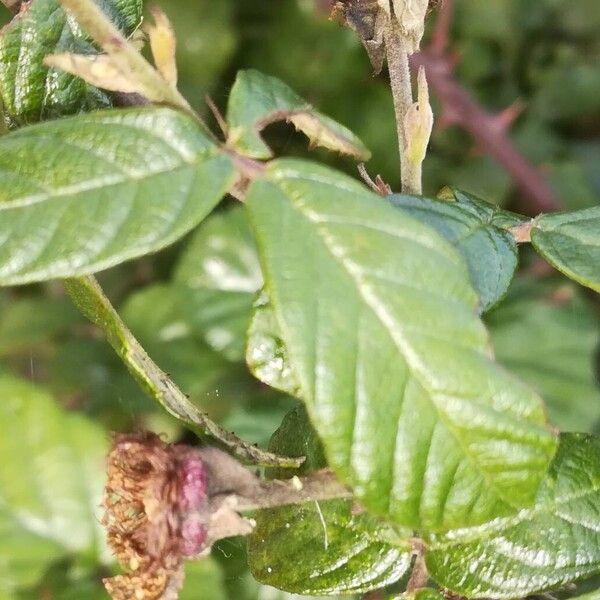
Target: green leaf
[(266, 354), (341, 552), (489, 251), (85, 193), (546, 332), (30, 90), (554, 543), (51, 482), (571, 243), (89, 298), (378, 317), (257, 100), (219, 275)]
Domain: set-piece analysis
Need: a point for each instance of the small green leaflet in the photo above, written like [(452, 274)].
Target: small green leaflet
[(85, 193), (30, 90), (219, 276), (257, 100), (489, 251), (51, 482), (341, 552), (571, 243), (553, 543), (377, 315)]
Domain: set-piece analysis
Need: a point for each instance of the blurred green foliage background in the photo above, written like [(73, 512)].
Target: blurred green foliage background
[(543, 53)]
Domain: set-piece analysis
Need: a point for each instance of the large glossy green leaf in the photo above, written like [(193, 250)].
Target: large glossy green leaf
[(219, 275), (571, 243), (257, 100), (51, 480), (547, 333), (555, 542), (85, 193), (489, 251), (30, 90), (341, 552), (378, 317)]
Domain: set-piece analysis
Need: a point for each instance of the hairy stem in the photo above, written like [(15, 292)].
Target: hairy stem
[(320, 485), (400, 81), (88, 297)]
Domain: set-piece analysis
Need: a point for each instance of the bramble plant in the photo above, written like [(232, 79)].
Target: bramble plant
[(413, 463)]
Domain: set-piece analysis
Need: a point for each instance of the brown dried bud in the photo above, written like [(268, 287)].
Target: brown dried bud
[(165, 503), (367, 19), (152, 493)]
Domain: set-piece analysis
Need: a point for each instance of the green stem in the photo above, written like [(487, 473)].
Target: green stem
[(88, 297)]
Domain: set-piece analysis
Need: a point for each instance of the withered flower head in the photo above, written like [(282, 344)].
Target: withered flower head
[(164, 503)]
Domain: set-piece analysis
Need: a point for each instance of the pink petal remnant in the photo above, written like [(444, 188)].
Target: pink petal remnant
[(193, 476), (193, 533)]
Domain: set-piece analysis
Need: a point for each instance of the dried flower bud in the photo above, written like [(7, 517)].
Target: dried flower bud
[(411, 16), (367, 18), (165, 503)]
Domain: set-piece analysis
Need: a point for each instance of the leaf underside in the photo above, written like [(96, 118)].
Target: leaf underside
[(218, 276), (257, 100)]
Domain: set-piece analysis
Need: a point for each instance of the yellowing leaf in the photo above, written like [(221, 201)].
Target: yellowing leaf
[(163, 45), (98, 70)]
